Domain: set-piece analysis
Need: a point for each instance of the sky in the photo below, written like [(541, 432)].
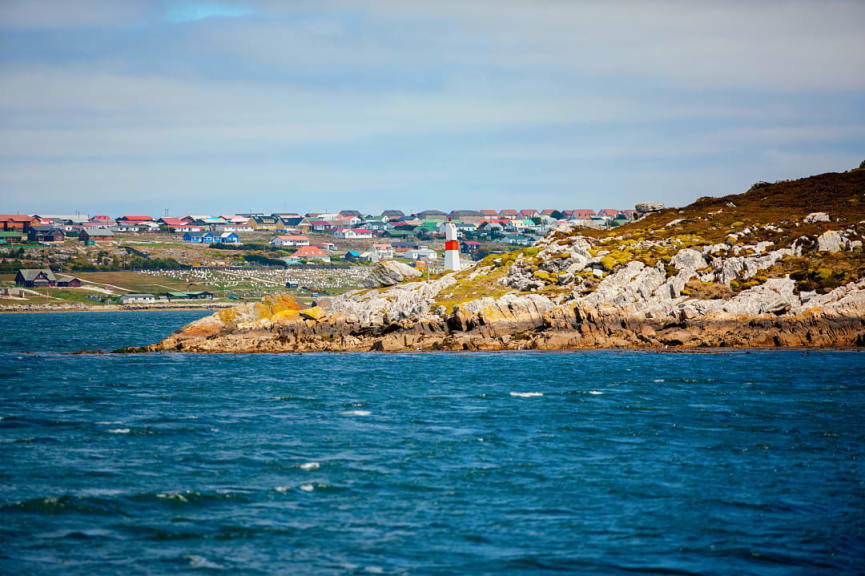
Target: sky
[(178, 107)]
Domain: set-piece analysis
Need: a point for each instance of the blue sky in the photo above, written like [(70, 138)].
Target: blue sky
[(138, 107)]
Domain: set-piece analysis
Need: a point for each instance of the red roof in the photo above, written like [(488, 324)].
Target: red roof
[(175, 221), (509, 212), (294, 238), (309, 252), (137, 218), (363, 231), (100, 218), (319, 223), (582, 213), (15, 218), (472, 242), (609, 212), (527, 212), (489, 213)]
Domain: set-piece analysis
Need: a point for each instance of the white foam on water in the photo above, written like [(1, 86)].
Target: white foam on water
[(307, 487), (310, 466), (107, 422), (119, 431), (196, 561), (658, 380), (282, 488), (373, 570), (357, 413), (526, 394), (595, 392), (172, 496)]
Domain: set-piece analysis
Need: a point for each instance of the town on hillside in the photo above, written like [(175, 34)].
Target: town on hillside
[(52, 260)]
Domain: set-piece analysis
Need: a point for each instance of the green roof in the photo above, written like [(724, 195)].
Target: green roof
[(10, 234)]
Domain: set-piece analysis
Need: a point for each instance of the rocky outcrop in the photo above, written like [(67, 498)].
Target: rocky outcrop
[(648, 207), (389, 273)]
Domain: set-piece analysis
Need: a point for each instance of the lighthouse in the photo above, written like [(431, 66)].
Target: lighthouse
[(452, 247)]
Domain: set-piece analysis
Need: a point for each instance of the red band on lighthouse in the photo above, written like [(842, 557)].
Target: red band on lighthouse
[(452, 245)]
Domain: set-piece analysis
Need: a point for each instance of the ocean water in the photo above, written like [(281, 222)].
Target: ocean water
[(514, 463)]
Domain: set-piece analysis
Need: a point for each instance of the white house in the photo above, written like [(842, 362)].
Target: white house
[(137, 298), (294, 240), (422, 253)]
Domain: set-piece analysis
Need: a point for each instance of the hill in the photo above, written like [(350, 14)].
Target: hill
[(780, 265)]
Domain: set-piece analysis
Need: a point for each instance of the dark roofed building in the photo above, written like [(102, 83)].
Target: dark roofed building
[(45, 233), (35, 277), (432, 215), (393, 214), (95, 235)]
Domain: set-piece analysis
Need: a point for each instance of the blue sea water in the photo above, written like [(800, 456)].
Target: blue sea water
[(588, 463)]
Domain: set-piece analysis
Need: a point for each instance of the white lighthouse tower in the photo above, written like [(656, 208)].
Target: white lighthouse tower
[(452, 247)]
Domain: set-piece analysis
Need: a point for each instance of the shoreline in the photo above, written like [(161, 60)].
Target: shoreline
[(114, 308), (640, 349)]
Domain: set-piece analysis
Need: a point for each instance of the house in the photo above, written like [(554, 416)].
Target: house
[(137, 299), (64, 221), (353, 233), (292, 284), (509, 214), (35, 277), (345, 214), (608, 213), (518, 239), (390, 215), (422, 253), (262, 222), (383, 251), (528, 213), (352, 255), (179, 224), (470, 216), (319, 225), (198, 237), (432, 215), (580, 214), (293, 240), (310, 253), (45, 233), (470, 246), (288, 221), (102, 220), (489, 214), (64, 281), (96, 235), (203, 295), (227, 238), (16, 222), (133, 220), (8, 236)]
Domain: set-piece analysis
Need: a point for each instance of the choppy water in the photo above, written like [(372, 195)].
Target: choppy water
[(597, 462)]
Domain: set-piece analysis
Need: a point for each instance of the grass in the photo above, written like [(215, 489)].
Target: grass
[(138, 282)]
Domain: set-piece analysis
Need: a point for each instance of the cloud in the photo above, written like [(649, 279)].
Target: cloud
[(60, 14), (195, 11)]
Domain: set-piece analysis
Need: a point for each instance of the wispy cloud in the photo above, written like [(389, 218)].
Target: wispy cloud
[(194, 11)]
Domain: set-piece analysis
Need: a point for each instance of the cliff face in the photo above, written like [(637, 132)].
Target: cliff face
[(781, 265)]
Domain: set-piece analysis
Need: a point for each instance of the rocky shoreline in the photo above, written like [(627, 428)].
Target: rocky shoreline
[(761, 269)]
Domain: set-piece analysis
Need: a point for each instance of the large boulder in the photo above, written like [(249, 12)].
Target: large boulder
[(814, 217), (647, 207), (830, 241), (388, 273)]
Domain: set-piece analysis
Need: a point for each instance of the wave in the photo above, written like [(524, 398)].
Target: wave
[(356, 413), (526, 394), (310, 466), (118, 431)]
